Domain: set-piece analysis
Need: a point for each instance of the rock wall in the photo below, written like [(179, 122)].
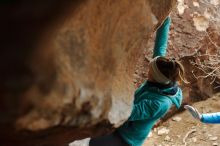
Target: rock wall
[(72, 62), (194, 40)]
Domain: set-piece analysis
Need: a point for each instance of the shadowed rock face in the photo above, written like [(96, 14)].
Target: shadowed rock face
[(72, 62)]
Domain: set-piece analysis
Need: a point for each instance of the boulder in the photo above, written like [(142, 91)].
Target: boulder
[(72, 63)]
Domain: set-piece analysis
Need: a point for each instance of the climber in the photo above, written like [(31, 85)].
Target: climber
[(152, 100), (211, 118)]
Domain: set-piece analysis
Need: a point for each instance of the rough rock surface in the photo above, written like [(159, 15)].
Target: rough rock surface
[(74, 62), (194, 38), (76, 59), (189, 43)]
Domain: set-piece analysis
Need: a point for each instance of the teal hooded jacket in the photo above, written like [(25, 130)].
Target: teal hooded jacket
[(151, 101)]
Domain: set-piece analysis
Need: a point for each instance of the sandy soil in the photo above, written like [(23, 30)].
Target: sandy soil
[(183, 126)]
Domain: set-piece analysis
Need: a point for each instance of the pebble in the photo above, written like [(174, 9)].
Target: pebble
[(163, 131), (177, 119), (194, 139), (213, 138), (167, 138), (195, 4)]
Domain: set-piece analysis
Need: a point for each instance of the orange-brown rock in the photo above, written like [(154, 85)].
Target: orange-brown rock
[(72, 62)]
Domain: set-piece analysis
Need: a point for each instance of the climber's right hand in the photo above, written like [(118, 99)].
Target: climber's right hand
[(194, 112)]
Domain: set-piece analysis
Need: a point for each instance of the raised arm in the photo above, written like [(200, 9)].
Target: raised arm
[(162, 39), (212, 118)]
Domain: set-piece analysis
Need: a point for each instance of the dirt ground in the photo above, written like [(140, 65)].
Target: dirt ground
[(183, 130)]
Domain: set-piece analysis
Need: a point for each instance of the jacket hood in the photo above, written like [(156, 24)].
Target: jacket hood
[(176, 98), (173, 92)]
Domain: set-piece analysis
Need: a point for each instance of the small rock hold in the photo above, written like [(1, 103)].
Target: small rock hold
[(136, 76), (215, 144)]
